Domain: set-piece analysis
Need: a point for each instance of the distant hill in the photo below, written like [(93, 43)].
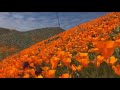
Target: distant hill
[(37, 35), (21, 40), (5, 31)]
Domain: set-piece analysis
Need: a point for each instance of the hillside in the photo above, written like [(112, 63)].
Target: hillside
[(5, 31), (89, 50), (12, 41)]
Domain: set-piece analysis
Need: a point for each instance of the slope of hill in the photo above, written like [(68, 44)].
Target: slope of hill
[(21, 40), (5, 31), (89, 50), (41, 34)]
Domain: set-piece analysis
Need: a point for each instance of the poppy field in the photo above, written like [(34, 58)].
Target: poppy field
[(88, 50)]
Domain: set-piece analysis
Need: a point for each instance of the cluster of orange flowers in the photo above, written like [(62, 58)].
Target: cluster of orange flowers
[(43, 59)]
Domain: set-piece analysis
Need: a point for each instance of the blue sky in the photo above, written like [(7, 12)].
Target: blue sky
[(24, 21)]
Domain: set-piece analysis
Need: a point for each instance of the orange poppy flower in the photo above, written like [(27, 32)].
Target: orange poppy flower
[(31, 64), (47, 61), (110, 44), (106, 48), (100, 58), (73, 67), (118, 42), (17, 65), (60, 54), (96, 50), (83, 54), (66, 61), (50, 74), (1, 70), (79, 68), (98, 64), (65, 75), (116, 69), (99, 44), (80, 56), (45, 68), (38, 61), (84, 62), (26, 75), (112, 60), (40, 76), (54, 61), (32, 72)]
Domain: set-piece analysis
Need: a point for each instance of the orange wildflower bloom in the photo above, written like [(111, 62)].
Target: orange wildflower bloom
[(31, 64), (26, 75), (45, 68), (84, 62), (112, 60), (118, 42), (66, 61), (54, 61), (116, 69), (40, 76), (80, 56), (83, 54), (100, 58), (32, 72), (60, 54), (106, 48), (73, 67), (65, 75), (96, 50), (50, 74), (79, 68)]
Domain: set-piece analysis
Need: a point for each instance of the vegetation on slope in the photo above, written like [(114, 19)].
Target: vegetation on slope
[(90, 50), (21, 40)]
